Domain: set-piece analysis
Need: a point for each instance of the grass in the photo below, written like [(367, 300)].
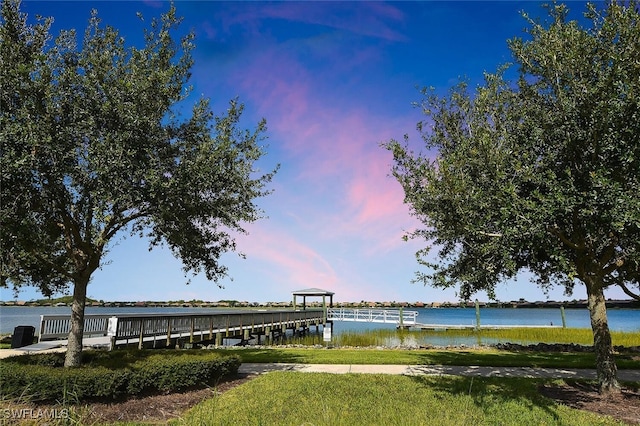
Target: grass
[(286, 398), (481, 357)]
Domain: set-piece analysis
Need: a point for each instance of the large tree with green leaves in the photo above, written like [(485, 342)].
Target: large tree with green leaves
[(540, 173), (95, 144)]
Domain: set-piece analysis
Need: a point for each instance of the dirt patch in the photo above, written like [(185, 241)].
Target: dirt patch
[(157, 408), (624, 407)]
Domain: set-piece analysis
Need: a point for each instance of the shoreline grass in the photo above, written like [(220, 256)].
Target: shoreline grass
[(453, 337)]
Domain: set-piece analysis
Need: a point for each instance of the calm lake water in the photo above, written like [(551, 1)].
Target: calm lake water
[(619, 319)]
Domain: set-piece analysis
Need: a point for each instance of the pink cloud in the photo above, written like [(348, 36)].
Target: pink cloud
[(342, 209), (297, 264), (335, 149)]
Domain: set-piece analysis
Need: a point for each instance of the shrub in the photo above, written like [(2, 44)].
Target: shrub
[(111, 374)]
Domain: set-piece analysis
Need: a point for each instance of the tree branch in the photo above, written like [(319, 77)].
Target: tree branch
[(563, 238), (613, 266), (628, 292), (490, 234), (114, 226), (46, 260)]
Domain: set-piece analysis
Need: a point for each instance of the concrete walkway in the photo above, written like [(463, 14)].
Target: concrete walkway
[(437, 370), (6, 353)]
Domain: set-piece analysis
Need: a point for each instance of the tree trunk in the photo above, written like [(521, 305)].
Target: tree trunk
[(602, 346), (73, 357)]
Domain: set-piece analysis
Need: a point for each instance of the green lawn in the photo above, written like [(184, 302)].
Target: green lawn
[(286, 398), (481, 357)]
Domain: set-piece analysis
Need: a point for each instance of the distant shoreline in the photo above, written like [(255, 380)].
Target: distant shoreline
[(574, 304)]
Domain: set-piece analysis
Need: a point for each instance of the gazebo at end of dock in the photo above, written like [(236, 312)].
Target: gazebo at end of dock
[(313, 292)]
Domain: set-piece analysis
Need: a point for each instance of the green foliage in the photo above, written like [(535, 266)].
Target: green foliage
[(112, 374), (97, 141), (539, 174), (93, 145)]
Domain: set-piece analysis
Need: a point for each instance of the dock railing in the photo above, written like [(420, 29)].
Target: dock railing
[(140, 328), (58, 326), (399, 317)]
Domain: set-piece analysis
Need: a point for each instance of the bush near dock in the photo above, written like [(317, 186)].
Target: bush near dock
[(111, 375)]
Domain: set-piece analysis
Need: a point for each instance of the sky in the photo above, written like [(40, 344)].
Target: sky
[(334, 80)]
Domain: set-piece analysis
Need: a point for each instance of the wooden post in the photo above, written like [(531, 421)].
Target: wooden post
[(112, 331), (41, 328), (140, 341), (564, 320), (218, 339), (168, 332), (477, 315), (192, 328), (324, 309)]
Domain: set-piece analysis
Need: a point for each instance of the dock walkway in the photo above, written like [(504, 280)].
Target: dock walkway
[(158, 330)]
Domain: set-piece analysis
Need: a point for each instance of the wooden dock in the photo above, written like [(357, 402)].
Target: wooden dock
[(399, 317), (167, 330), (184, 329)]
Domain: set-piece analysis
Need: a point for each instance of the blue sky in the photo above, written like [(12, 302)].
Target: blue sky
[(333, 80)]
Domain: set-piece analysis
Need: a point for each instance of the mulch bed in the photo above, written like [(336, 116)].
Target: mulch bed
[(583, 396), (157, 408)]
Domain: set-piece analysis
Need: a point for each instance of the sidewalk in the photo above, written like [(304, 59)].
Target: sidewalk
[(437, 370), (6, 353)]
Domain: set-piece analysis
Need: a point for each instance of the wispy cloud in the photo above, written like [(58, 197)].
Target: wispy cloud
[(336, 208), (294, 261), (368, 19)]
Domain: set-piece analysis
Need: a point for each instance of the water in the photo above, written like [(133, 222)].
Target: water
[(619, 319)]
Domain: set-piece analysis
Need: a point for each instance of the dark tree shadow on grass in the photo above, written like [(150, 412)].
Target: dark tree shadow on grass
[(488, 391)]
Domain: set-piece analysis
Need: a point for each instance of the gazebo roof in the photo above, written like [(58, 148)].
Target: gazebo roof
[(312, 292)]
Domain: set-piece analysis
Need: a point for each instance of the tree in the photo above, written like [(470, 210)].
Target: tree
[(540, 174), (94, 147)]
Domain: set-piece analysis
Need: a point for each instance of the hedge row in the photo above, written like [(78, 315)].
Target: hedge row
[(42, 377)]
